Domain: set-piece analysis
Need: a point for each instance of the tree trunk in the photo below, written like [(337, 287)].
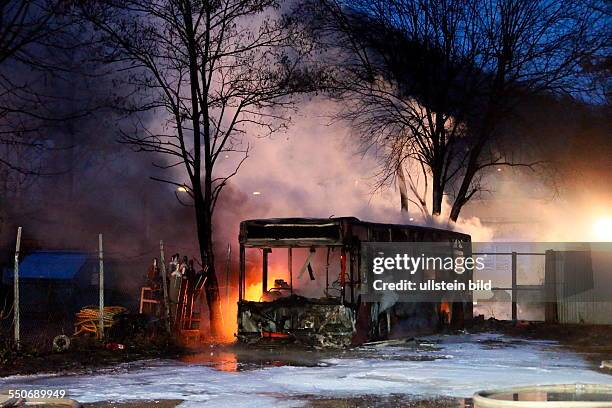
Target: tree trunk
[(211, 285), (401, 182), (202, 199), (463, 195), (454, 214), (437, 191), (437, 200), (211, 288)]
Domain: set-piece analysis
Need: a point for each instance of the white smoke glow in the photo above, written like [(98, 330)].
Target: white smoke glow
[(313, 169)]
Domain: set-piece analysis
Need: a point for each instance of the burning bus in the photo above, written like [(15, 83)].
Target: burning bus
[(301, 280)]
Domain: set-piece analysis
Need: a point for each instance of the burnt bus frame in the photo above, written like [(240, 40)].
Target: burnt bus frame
[(345, 233)]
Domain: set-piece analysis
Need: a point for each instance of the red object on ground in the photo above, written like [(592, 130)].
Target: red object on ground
[(274, 334), (114, 346)]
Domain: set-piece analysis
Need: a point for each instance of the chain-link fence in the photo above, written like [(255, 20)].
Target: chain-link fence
[(54, 285)]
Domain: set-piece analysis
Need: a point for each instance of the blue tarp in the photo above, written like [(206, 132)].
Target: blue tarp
[(49, 265)]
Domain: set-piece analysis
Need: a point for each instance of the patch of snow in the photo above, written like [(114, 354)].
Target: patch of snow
[(460, 366)]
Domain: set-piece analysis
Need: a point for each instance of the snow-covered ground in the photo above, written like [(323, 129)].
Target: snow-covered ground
[(456, 366)]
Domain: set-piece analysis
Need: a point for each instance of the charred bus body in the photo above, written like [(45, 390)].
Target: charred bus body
[(300, 281)]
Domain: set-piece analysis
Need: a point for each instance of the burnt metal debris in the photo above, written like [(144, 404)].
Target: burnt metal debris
[(336, 316)]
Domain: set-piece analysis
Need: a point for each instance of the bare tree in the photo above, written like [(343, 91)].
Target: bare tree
[(37, 42), (210, 71), (430, 83), (24, 26)]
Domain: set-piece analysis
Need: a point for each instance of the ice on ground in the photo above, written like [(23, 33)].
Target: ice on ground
[(458, 367)]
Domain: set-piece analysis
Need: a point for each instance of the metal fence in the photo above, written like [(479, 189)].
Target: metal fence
[(36, 307), (507, 265)]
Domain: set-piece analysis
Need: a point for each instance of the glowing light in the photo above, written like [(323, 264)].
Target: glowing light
[(253, 292), (602, 229), (499, 169), (410, 219), (222, 360), (256, 192), (181, 189)]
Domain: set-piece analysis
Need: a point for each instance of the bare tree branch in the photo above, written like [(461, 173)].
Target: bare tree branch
[(434, 81), (210, 72)]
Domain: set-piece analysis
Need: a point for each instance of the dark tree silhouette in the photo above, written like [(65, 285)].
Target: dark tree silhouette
[(26, 30), (429, 84), (38, 40), (211, 71)]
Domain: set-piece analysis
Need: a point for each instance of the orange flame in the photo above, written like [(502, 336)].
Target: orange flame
[(445, 310), (253, 292)]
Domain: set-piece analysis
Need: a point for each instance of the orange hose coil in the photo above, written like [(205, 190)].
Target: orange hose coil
[(87, 319)]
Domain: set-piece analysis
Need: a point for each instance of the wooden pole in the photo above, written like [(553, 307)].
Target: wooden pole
[(101, 274), (16, 291), (162, 260)]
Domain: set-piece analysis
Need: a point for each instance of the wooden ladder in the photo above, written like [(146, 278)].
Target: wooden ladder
[(147, 300)]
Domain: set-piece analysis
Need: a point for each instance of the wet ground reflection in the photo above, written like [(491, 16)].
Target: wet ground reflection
[(236, 358)]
